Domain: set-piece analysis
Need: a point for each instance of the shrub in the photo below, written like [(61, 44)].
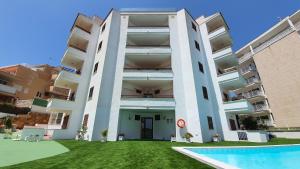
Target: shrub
[(104, 133), (188, 135)]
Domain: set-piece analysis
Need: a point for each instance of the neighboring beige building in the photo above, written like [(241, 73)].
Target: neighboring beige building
[(271, 65), (30, 86)]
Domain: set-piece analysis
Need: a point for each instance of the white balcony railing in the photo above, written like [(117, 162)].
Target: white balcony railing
[(146, 103), (222, 52), (147, 74), (134, 30), (241, 106), (148, 50), (217, 32)]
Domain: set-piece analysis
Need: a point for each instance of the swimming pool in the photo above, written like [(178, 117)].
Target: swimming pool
[(251, 157)]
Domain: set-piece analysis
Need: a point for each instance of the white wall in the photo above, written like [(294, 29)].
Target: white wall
[(76, 114)]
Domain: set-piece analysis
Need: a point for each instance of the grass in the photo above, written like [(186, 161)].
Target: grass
[(14, 152), (129, 154)]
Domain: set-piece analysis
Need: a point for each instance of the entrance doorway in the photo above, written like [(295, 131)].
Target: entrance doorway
[(232, 124), (146, 128)]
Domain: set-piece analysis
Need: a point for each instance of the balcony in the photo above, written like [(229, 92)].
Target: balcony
[(148, 20), (252, 81), (73, 58), (218, 32), (261, 108), (147, 103), (148, 30), (225, 57), (248, 71), (7, 89), (147, 74), (60, 105), (238, 106), (79, 32), (67, 79), (254, 94), (231, 80)]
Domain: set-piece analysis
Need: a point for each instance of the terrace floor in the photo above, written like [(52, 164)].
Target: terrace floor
[(122, 154)]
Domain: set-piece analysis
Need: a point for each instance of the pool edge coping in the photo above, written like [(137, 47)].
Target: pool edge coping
[(215, 163), (206, 160)]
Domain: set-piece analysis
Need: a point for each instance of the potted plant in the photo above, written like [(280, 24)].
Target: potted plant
[(173, 137), (188, 137), (121, 136), (104, 135), (216, 137)]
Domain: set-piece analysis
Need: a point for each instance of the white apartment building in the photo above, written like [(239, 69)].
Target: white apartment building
[(142, 73)]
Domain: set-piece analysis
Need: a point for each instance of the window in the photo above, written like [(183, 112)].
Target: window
[(91, 93), (96, 67), (137, 117), (197, 45), (194, 26), (157, 91), (59, 118), (103, 27), (200, 67), (99, 46), (157, 117), (210, 123), (204, 90)]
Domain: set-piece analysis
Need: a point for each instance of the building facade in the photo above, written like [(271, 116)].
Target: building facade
[(271, 66), (28, 88), (151, 74)]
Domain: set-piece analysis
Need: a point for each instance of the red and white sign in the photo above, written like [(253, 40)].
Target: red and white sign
[(181, 123)]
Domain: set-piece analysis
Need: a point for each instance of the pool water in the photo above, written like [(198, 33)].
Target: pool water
[(268, 157)]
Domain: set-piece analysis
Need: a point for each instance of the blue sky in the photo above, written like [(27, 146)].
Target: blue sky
[(36, 31)]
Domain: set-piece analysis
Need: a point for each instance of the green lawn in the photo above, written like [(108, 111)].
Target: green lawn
[(127, 154), (14, 152)]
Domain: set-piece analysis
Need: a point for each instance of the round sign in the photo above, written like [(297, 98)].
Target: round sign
[(181, 123)]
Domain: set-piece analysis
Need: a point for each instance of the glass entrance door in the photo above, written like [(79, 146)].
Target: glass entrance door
[(146, 128)]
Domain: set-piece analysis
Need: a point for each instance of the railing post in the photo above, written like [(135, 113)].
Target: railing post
[(291, 24)]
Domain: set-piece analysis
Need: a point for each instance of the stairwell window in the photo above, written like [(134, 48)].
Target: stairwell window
[(197, 45), (205, 94), (96, 67), (99, 46), (210, 123), (91, 93), (103, 27), (194, 26), (201, 67)]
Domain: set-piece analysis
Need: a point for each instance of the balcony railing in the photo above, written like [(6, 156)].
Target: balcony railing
[(227, 71), (78, 72), (253, 94), (146, 95), (247, 69), (146, 69), (252, 80), (261, 107)]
